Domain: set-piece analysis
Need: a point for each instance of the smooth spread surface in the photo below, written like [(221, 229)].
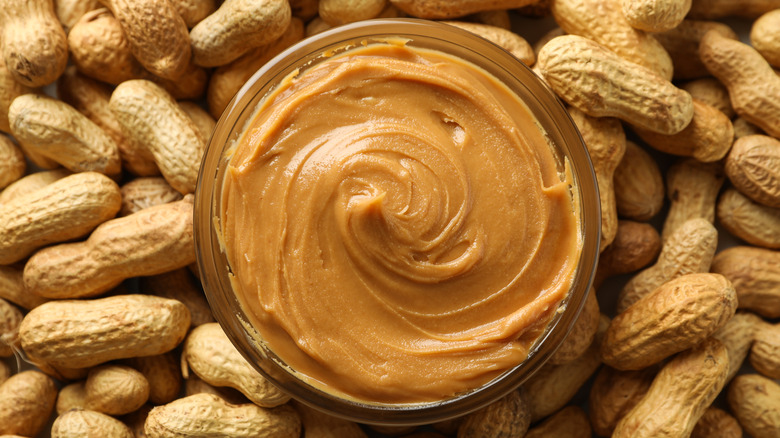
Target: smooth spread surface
[(398, 228)]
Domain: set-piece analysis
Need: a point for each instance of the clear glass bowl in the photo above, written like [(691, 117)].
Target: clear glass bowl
[(544, 105)]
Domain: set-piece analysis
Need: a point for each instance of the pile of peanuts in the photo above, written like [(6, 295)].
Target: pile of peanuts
[(682, 121)]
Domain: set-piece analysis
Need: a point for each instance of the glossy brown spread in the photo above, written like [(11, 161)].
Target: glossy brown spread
[(398, 228)]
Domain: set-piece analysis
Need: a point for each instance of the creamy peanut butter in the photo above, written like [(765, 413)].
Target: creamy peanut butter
[(398, 228)]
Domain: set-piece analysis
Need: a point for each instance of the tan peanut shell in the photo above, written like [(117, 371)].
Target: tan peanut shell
[(35, 48), (71, 396), (710, 91), (319, 424), (193, 11), (338, 12), (83, 333), (315, 26), (163, 373), (753, 272), (582, 333), (654, 15), (743, 128), (206, 415), (236, 27), (12, 163), (753, 86), (31, 182), (569, 422), (711, 9), (717, 423), (155, 240), (200, 117), (143, 21), (678, 315), (91, 98), (115, 389), (209, 353), (603, 21), (82, 423), (614, 393), (228, 79), (753, 166), (150, 116), (69, 11), (689, 250), (146, 192), (10, 318), (508, 40), (636, 245), (440, 9), (195, 385), (10, 89), (180, 285), (764, 36), (753, 400), (593, 79), (682, 45), (65, 209), (765, 351), (638, 184), (737, 336), (499, 18), (692, 188), (680, 393), (509, 415), (752, 222), (707, 138), (26, 402), (606, 144)]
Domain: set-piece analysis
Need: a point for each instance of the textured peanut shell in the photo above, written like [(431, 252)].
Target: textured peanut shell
[(195, 385), (163, 373), (508, 416), (590, 77), (35, 48), (146, 192), (753, 400), (710, 91), (82, 423), (12, 163), (210, 354), (711, 9), (26, 402), (235, 28), (498, 18), (150, 116), (69, 11), (614, 393), (200, 117), (10, 89), (208, 416), (765, 38), (737, 336), (603, 21), (321, 425), (193, 11), (65, 209), (679, 394), (638, 184), (154, 240), (655, 15), (12, 289), (636, 245), (569, 422), (338, 12), (228, 79), (753, 86), (765, 351), (682, 45), (582, 333), (717, 423), (677, 315), (143, 22), (180, 285), (59, 132), (508, 40), (440, 9), (753, 272), (10, 318), (754, 223), (692, 188), (753, 166), (707, 138), (83, 333), (30, 183), (689, 250), (115, 389), (743, 128), (71, 396)]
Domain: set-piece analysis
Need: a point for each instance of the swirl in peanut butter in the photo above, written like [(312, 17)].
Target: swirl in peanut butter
[(398, 228)]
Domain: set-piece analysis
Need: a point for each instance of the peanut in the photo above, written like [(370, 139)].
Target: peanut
[(200, 117), (26, 402), (142, 193), (79, 334), (569, 422), (682, 45), (5, 372), (135, 420), (724, 8), (59, 132), (72, 396), (498, 18), (603, 21), (207, 415), (65, 209), (163, 373), (180, 285), (315, 26), (679, 394), (678, 315), (753, 400), (692, 188), (194, 11), (737, 336), (338, 12), (707, 138), (195, 385), (508, 40), (236, 27), (638, 184), (12, 164), (717, 423), (753, 166), (614, 393), (35, 48), (211, 355), (31, 183), (581, 335), (69, 11), (12, 289), (150, 116), (655, 15), (753, 86), (320, 425), (711, 92), (636, 245), (753, 272), (10, 89), (508, 416), (689, 250), (306, 10), (143, 21), (764, 38), (440, 9), (10, 318), (593, 79), (743, 128), (115, 390), (765, 351), (82, 423), (751, 222)]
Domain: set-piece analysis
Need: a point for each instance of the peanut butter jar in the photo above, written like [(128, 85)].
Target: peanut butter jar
[(396, 222)]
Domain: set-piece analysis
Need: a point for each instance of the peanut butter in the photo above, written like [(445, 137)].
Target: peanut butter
[(397, 226)]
